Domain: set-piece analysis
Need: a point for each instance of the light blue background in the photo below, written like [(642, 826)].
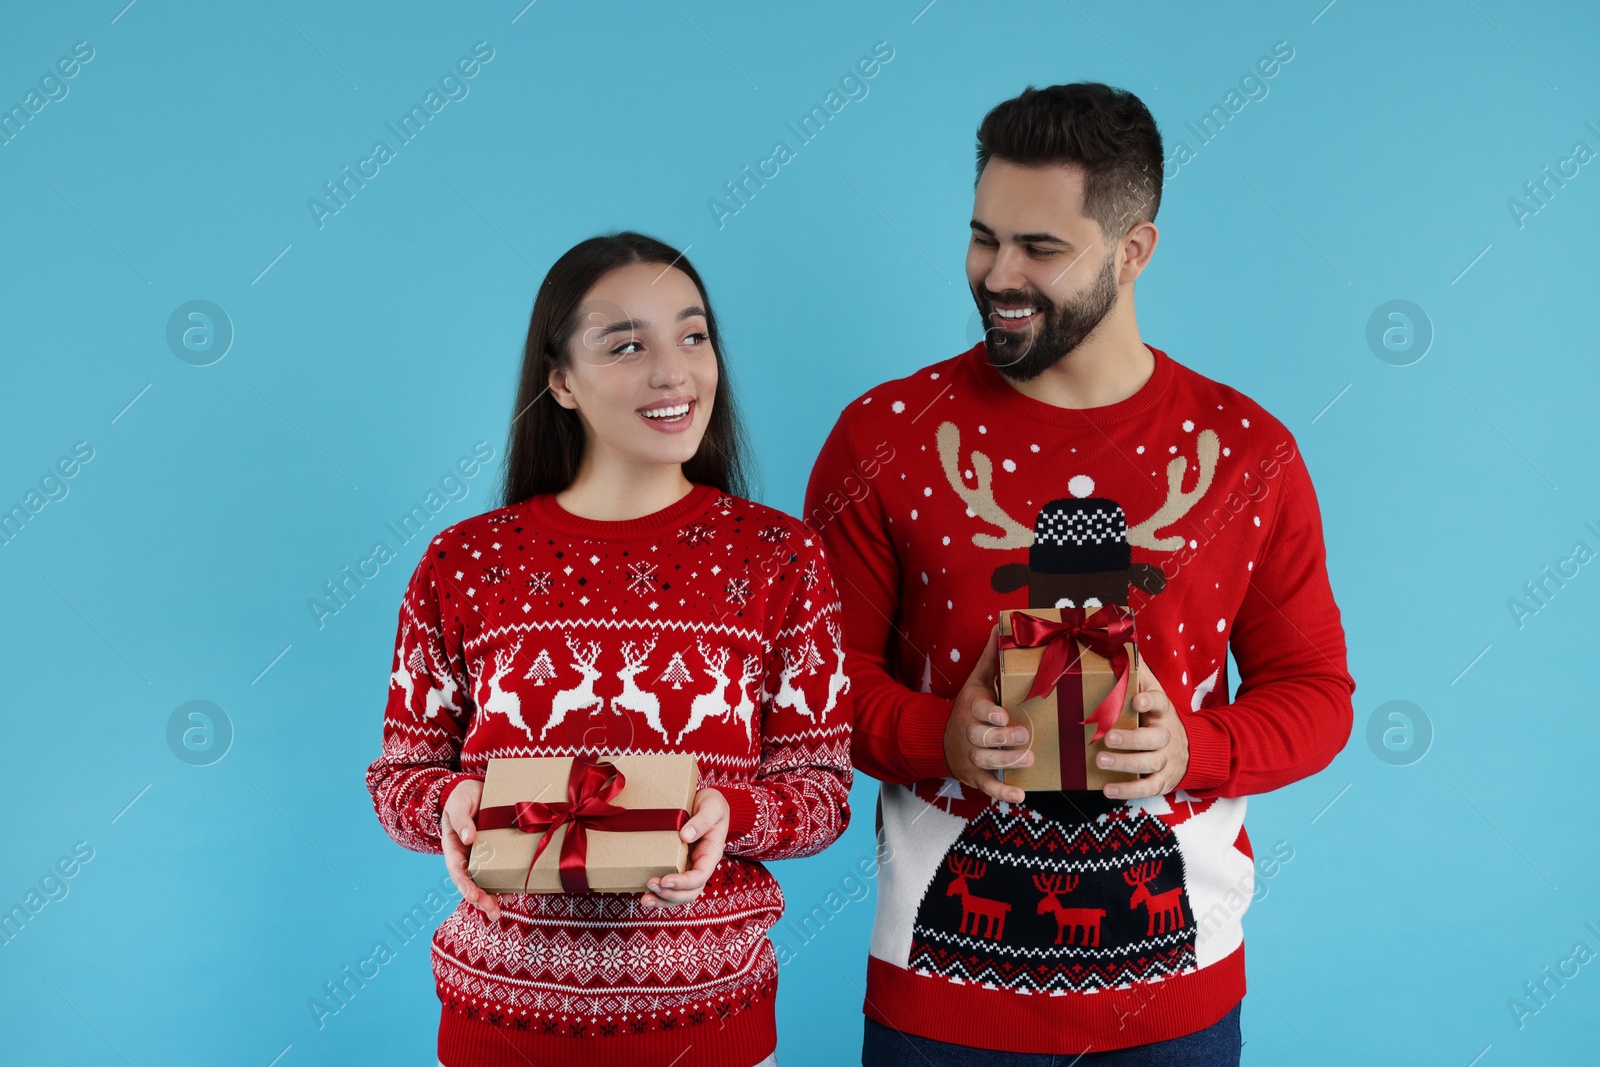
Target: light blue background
[(376, 350)]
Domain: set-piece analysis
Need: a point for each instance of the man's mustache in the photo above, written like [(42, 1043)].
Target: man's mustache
[(1022, 299)]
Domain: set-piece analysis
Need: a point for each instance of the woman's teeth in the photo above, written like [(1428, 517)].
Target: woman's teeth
[(676, 411)]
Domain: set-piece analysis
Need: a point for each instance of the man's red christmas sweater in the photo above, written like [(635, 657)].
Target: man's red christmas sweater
[(709, 627), (1074, 922)]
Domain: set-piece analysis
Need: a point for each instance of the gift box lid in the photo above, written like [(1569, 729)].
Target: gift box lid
[(615, 862)]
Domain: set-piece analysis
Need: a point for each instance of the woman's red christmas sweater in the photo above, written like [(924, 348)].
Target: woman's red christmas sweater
[(710, 627)]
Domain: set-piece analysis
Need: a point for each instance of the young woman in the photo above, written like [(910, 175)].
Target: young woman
[(627, 598)]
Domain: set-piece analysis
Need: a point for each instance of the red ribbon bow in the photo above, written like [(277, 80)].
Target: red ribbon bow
[(1104, 632), (591, 786)]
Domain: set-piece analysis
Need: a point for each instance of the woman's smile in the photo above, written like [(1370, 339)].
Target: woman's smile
[(671, 415)]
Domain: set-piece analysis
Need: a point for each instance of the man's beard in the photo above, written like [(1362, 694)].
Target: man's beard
[(1025, 355)]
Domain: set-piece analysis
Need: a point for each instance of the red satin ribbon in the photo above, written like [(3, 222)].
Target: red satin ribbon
[(591, 786), (1104, 632)]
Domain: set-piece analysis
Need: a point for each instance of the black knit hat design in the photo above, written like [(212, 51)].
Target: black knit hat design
[(1080, 535)]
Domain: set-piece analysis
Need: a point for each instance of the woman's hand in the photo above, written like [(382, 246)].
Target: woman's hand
[(457, 832), (707, 829)]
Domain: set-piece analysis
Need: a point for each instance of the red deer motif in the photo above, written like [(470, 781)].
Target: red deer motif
[(985, 917), (1068, 920), (1165, 909)]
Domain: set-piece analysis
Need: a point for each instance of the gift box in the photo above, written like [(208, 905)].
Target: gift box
[(580, 824), (1069, 675)]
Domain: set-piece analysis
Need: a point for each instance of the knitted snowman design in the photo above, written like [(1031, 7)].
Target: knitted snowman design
[(1071, 890)]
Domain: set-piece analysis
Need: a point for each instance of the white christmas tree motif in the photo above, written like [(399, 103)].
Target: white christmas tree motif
[(949, 795), (539, 584), (1186, 807), (738, 590), (1203, 690), (810, 660), (543, 668), (642, 577), (677, 671), (1174, 809), (927, 675)]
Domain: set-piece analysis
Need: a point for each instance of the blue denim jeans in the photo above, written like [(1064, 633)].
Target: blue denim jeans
[(1218, 1045)]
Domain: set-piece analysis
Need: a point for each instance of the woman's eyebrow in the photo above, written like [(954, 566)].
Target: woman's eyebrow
[(630, 325), (638, 325)]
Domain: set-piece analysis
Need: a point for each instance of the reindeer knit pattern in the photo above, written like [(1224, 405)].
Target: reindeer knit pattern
[(709, 627), (1074, 922)]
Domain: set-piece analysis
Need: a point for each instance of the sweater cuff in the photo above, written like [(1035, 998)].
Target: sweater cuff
[(1209, 754), (741, 811), (921, 736)]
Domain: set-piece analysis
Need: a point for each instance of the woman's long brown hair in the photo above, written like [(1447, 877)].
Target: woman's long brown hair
[(546, 441)]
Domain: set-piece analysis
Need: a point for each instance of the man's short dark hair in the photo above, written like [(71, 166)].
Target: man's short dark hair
[(1107, 131)]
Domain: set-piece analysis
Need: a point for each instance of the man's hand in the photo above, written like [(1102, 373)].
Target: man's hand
[(1158, 750), (456, 833), (707, 830), (979, 738)]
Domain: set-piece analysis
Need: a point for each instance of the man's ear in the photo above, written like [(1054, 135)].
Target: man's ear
[(1137, 246)]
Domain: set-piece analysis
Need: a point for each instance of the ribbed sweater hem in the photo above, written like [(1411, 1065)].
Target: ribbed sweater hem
[(1069, 1024), (740, 1040)]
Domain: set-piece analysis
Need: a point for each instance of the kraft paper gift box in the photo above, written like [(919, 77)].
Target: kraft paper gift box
[(1065, 753), (622, 836)]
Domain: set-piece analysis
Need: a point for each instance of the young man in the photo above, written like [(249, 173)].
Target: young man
[(1062, 462)]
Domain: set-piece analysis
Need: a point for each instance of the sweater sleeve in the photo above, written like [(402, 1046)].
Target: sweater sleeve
[(798, 800), (1292, 712), (429, 709), (898, 733)]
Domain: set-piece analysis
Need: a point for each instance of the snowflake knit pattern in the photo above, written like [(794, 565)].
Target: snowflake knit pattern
[(1074, 922), (712, 627)]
